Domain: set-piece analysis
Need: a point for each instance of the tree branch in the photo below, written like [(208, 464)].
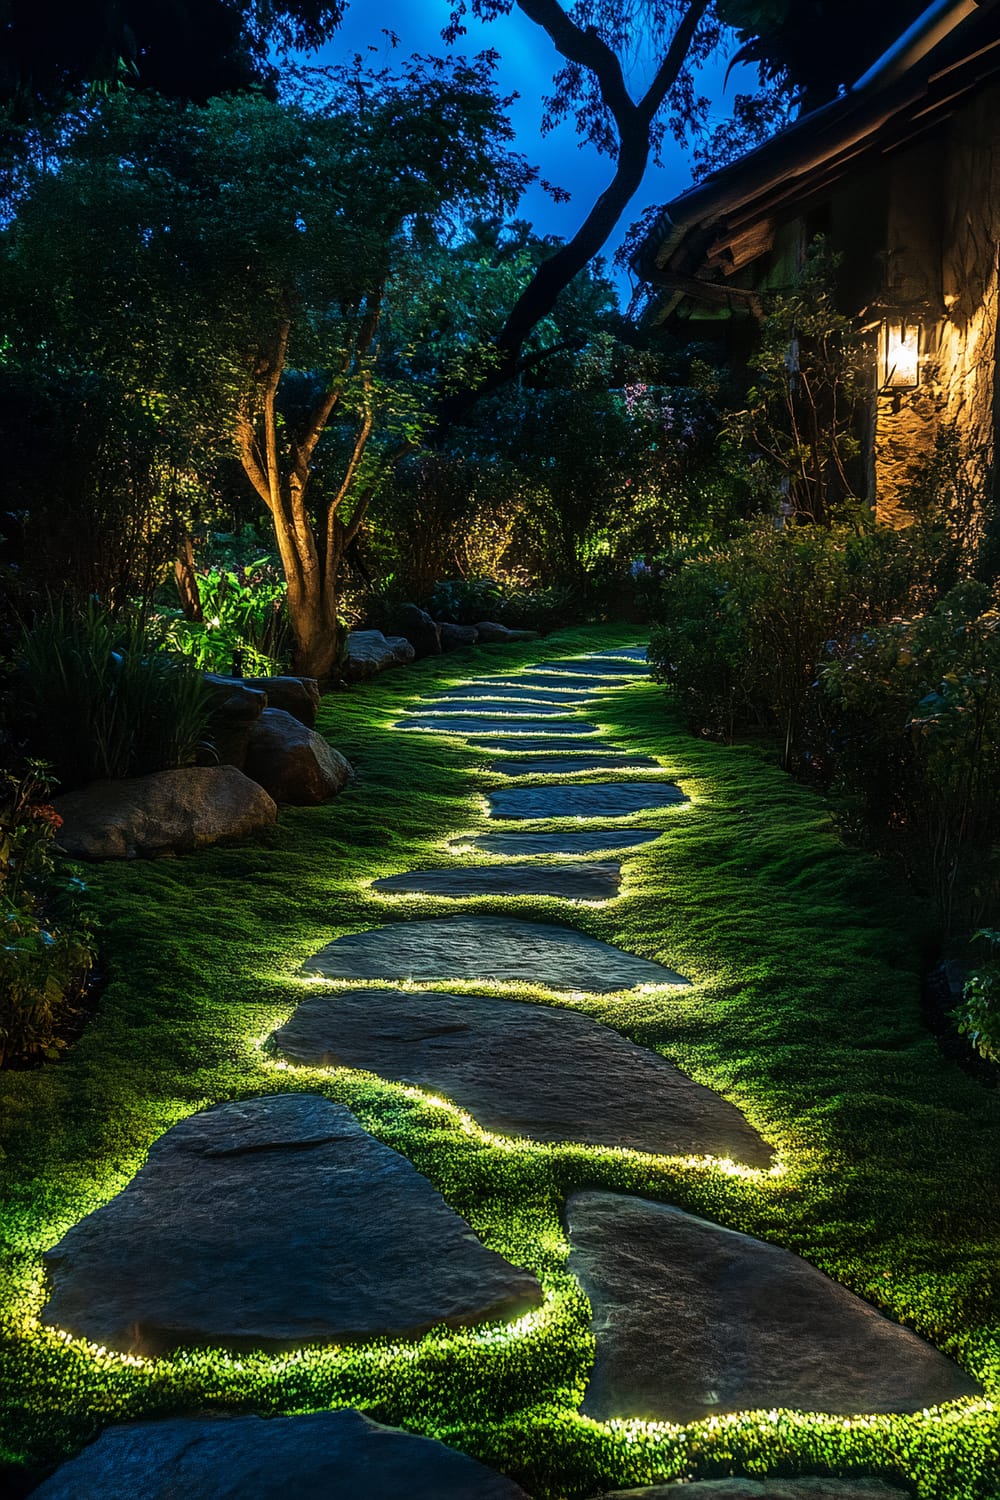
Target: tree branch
[(666, 73), (587, 48)]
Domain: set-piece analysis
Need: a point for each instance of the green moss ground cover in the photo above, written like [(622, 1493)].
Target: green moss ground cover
[(804, 1012)]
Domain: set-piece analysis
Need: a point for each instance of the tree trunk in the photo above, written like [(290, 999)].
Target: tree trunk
[(186, 580)]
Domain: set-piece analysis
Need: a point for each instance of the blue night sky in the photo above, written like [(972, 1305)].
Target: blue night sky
[(528, 62)]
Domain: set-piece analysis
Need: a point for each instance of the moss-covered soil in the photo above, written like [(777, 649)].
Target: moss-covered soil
[(804, 1012)]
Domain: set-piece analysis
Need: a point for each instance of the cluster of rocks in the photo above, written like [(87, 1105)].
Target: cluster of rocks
[(369, 652), (264, 751)]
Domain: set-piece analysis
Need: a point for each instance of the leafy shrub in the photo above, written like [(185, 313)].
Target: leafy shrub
[(978, 1016), (465, 601), (105, 699), (45, 954), (743, 628), (915, 709), (245, 621)]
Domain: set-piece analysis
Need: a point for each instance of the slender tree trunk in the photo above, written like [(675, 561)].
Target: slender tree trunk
[(186, 580)]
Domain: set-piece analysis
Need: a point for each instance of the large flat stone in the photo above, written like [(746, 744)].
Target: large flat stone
[(510, 692), (502, 727), (577, 882), (583, 799), (506, 706), (693, 1320), (318, 1456), (524, 1070), (597, 666), (572, 841), (765, 1489), (627, 653), (533, 742), (273, 1223), (487, 948), (612, 760), (575, 681)]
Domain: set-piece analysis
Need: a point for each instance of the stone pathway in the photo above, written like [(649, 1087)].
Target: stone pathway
[(278, 1222)]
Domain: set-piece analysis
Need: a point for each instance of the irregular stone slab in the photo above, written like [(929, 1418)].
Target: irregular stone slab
[(604, 799), (402, 651), (524, 1070), (628, 653), (765, 1489), (512, 707), (693, 1320), (599, 666), (573, 841), (508, 726), (423, 633), (312, 1457), (169, 812), (579, 882), (269, 1224), (509, 692), (531, 742), (487, 948), (366, 654), (457, 637), (566, 764), (570, 681), (294, 764), (492, 634)]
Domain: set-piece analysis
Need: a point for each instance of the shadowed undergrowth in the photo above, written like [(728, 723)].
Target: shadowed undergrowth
[(804, 1012)]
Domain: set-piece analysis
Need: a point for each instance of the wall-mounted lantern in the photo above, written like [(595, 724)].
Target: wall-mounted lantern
[(899, 353)]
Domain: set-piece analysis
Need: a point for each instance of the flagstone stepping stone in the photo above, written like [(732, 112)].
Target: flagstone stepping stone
[(599, 666), (579, 882), (523, 1070), (765, 1489), (532, 742), (316, 1456), (628, 653), (614, 760), (572, 841), (568, 680), (602, 799), (693, 1320), (269, 1224), (511, 707), (488, 948), (509, 726), (510, 692)]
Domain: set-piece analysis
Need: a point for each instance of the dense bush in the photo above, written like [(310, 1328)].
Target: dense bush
[(466, 601), (978, 1016), (244, 621), (45, 954), (104, 700)]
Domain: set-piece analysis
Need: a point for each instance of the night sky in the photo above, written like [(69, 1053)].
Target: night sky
[(528, 62)]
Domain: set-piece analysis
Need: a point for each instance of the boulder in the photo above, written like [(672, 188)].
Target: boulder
[(366, 654), (492, 634), (314, 1456), (298, 696), (168, 812), (420, 630), (273, 1223), (402, 650), (293, 763), (234, 709), (457, 637)]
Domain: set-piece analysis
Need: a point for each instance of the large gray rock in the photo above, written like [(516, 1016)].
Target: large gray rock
[(457, 637), (323, 1455), (293, 763), (584, 799), (523, 1070), (492, 634), (402, 650), (423, 633), (170, 812), (298, 696), (366, 654), (765, 1489), (575, 882), (270, 1224), (234, 708), (693, 1320), (487, 948)]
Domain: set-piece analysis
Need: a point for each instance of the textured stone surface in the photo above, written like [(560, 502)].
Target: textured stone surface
[(533, 742), (298, 696), (612, 760), (572, 841), (765, 1489), (402, 651), (470, 724), (168, 812), (576, 681), (693, 1320), (599, 666), (492, 634), (627, 653), (318, 1456), (523, 1069), (234, 708), (272, 1223), (487, 948), (583, 799), (432, 707), (578, 882), (366, 654), (510, 692), (423, 633), (294, 764), (457, 637)]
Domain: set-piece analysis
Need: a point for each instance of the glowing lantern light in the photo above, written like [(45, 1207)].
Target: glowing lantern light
[(899, 355)]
